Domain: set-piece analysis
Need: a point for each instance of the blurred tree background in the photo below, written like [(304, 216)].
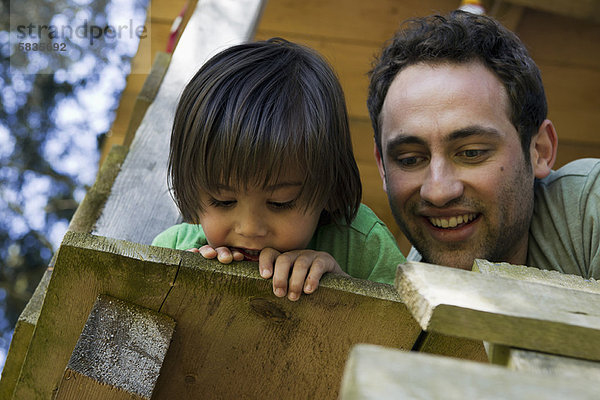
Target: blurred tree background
[(55, 108)]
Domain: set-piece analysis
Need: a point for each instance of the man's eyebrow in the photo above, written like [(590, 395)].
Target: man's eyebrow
[(470, 131), (404, 139)]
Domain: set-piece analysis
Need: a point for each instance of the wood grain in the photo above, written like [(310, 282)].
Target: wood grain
[(374, 372), (230, 326), (87, 266), (531, 274), (504, 311)]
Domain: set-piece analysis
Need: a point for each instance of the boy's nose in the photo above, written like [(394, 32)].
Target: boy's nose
[(251, 225), (441, 184)]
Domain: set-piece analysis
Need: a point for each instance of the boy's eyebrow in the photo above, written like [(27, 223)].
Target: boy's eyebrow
[(281, 185), (275, 186)]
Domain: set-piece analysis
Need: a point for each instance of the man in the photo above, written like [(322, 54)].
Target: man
[(465, 151)]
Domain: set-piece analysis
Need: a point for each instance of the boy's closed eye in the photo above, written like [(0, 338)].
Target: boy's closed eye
[(221, 203), (282, 205)]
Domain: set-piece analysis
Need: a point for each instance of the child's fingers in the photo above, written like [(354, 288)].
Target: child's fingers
[(237, 255), (301, 266), (224, 255), (206, 251), (281, 273), (266, 262)]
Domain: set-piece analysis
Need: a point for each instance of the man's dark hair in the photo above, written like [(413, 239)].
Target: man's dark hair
[(462, 37), (252, 112)]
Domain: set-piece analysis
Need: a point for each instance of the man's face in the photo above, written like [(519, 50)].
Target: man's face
[(453, 167)]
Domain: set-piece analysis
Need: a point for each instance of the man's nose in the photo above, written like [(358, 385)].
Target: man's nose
[(441, 184)]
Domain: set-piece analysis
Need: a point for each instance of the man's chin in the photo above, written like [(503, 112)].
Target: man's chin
[(454, 259)]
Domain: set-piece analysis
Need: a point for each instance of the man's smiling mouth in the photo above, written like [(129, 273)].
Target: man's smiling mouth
[(451, 222)]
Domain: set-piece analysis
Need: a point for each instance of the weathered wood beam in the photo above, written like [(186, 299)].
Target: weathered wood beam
[(531, 274), (563, 367), (374, 372), (230, 326), (147, 94), (523, 360), (22, 337), (119, 353), (504, 311), (85, 267), (140, 205)]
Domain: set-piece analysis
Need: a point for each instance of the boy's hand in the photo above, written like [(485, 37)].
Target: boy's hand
[(224, 254), (306, 266)]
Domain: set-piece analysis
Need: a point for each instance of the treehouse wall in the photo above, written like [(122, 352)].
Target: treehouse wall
[(349, 33)]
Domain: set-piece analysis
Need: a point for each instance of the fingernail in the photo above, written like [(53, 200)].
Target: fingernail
[(279, 292), (293, 296), (308, 288), (264, 273)]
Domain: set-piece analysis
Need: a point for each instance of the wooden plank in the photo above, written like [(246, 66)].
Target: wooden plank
[(570, 150), (350, 60), (231, 328), (119, 353), (140, 206), (573, 103), (89, 209), (22, 337), (83, 221), (350, 20), (581, 9), (531, 274), (374, 372), (559, 40), (505, 311), (87, 266), (564, 367), (450, 346), (147, 94), (168, 11), (508, 14)]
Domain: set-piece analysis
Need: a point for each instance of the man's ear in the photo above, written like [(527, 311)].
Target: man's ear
[(543, 149), (380, 166)]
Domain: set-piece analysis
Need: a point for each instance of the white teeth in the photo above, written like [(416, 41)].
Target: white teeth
[(452, 222)]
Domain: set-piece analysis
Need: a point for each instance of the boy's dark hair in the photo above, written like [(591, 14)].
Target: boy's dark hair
[(462, 37), (253, 110)]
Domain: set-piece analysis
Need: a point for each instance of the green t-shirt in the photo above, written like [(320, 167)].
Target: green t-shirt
[(365, 249)]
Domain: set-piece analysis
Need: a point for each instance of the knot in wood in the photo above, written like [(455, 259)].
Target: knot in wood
[(268, 309)]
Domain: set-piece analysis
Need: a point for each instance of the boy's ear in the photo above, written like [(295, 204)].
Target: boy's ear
[(543, 149), (380, 166)]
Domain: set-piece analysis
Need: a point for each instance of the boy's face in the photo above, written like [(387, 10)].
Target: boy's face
[(251, 220), (453, 168)]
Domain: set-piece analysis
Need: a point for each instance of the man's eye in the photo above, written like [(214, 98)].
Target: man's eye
[(410, 162), (473, 155)]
